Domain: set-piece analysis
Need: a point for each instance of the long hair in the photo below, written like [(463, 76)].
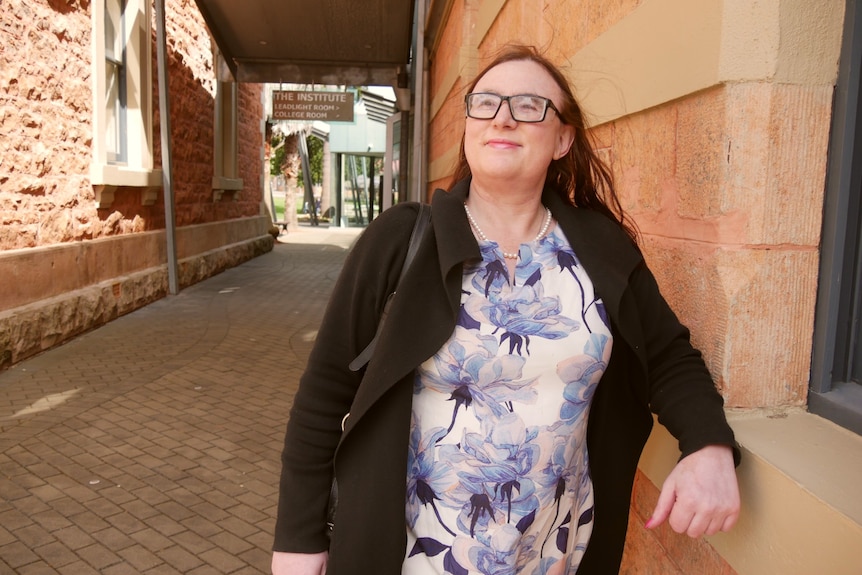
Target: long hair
[(580, 177)]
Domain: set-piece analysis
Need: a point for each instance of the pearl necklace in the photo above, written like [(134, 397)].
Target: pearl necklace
[(508, 255)]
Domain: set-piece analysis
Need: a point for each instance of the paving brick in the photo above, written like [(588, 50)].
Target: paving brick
[(222, 561), (140, 509), (56, 554), (51, 520), (30, 506), (163, 569), (67, 507), (114, 539), (77, 568), (33, 535), (140, 558), (257, 557), (38, 568), (178, 418), (178, 509), (17, 554), (27, 480), (179, 558), (5, 536), (202, 526), (126, 522), (12, 519), (98, 556), (194, 543), (103, 508), (74, 537), (152, 539), (231, 543)]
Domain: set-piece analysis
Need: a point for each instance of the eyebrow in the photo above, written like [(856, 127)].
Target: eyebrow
[(495, 92)]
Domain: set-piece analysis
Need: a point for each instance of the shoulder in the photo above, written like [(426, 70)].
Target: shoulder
[(389, 227), (383, 243)]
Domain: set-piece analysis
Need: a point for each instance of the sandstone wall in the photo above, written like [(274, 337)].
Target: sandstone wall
[(717, 137), (66, 265), (45, 117)]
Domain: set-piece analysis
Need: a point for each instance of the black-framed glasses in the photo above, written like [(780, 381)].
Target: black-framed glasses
[(523, 107)]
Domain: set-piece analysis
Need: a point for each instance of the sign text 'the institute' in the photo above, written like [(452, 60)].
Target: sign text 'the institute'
[(323, 106)]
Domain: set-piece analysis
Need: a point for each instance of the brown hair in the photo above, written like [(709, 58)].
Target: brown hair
[(580, 177)]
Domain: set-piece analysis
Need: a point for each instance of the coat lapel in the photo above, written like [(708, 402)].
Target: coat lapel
[(425, 308)]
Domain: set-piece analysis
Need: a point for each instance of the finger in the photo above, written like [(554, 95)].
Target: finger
[(730, 521), (663, 506), (681, 519), (698, 525)]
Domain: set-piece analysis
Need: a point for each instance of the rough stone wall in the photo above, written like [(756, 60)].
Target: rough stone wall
[(45, 118), (69, 265)]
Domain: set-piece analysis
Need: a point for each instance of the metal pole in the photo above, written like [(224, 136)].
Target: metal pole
[(417, 191), (165, 129), (338, 181)]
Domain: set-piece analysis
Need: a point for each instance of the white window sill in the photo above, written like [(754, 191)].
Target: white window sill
[(106, 178), (229, 186)]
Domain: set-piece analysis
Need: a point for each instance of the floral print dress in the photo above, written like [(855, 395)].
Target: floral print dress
[(498, 476)]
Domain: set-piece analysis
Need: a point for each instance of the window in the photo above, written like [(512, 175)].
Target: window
[(122, 101), (226, 178), (836, 376), (115, 83)]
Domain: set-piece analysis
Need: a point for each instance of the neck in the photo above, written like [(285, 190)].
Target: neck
[(507, 213), (506, 222)]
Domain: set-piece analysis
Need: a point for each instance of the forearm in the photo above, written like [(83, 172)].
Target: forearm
[(681, 390)]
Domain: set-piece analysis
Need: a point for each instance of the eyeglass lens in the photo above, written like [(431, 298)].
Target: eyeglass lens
[(524, 108)]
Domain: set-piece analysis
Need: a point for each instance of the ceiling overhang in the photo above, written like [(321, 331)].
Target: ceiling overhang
[(326, 42)]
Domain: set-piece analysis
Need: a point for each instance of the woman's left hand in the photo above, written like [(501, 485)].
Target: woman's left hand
[(701, 495)]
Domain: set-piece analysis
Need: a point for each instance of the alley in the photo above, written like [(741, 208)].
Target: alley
[(151, 445)]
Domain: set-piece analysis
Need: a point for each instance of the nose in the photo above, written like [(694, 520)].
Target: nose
[(505, 118)]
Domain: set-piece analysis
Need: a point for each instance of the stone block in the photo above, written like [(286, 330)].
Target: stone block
[(776, 165), (644, 160), (750, 311)]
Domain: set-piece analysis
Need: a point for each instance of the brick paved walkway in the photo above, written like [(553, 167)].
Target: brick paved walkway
[(151, 445)]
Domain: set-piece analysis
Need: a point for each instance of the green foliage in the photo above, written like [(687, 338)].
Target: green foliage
[(276, 161)]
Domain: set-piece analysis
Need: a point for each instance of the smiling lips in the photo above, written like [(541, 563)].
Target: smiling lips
[(501, 143)]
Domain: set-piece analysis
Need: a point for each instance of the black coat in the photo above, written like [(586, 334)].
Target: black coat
[(652, 367)]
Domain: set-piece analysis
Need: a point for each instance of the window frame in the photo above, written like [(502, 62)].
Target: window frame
[(135, 169), (226, 177), (839, 300), (115, 56)]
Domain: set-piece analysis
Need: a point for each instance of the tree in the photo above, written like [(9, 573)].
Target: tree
[(315, 160)]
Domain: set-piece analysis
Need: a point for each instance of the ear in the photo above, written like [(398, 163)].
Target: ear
[(564, 141)]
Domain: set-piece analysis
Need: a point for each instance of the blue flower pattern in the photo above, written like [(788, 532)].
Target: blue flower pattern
[(498, 472)]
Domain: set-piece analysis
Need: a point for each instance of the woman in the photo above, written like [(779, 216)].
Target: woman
[(498, 425)]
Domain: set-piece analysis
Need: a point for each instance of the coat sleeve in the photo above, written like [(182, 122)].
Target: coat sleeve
[(327, 386), (681, 390)]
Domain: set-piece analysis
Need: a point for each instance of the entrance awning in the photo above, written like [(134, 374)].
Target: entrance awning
[(327, 42)]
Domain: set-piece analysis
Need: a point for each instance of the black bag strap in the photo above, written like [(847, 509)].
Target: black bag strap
[(422, 221)]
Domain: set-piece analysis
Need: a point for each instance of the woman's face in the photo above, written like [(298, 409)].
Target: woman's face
[(501, 148)]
